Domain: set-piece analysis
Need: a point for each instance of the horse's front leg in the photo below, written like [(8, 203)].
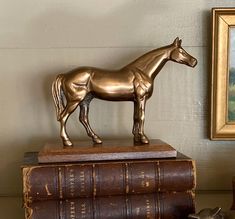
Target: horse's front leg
[(135, 129), (142, 138)]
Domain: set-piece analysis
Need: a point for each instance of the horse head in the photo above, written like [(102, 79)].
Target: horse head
[(179, 55)]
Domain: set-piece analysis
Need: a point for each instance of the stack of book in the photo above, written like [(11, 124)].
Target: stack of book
[(152, 188)]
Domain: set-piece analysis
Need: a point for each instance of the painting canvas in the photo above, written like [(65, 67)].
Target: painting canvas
[(231, 67)]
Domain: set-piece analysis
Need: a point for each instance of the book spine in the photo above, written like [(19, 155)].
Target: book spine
[(159, 206), (91, 180)]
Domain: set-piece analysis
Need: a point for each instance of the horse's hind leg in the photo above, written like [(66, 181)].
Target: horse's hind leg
[(71, 106), (83, 117)]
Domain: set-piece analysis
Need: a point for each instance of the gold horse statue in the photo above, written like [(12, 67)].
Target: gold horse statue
[(134, 82)]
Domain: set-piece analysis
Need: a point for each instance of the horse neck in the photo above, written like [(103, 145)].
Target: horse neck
[(152, 62)]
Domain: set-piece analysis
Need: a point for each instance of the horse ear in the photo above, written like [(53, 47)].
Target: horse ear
[(216, 211), (176, 41), (180, 41)]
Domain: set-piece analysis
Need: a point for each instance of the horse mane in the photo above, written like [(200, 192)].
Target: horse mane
[(144, 61)]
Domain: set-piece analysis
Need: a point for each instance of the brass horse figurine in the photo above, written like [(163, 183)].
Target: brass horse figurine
[(133, 82)]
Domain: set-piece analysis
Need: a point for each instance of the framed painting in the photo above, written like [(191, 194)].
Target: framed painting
[(223, 74)]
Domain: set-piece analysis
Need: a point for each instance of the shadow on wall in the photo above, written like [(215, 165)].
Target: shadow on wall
[(208, 28), (208, 15)]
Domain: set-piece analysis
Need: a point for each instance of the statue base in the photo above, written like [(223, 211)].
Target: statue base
[(109, 150)]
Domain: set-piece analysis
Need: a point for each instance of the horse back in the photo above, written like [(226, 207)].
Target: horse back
[(112, 85)]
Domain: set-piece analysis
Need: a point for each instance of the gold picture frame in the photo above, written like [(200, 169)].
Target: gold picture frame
[(222, 97)]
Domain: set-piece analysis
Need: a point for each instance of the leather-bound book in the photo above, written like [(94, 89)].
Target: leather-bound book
[(176, 205), (88, 179)]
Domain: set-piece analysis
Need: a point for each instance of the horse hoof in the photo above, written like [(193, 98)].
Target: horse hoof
[(140, 139), (67, 143), (144, 139), (97, 140)]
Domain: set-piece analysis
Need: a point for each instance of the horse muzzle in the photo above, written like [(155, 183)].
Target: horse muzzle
[(193, 62)]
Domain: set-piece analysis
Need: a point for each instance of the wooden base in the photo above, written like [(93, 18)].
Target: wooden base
[(109, 150)]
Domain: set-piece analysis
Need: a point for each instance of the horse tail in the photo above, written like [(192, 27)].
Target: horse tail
[(58, 96)]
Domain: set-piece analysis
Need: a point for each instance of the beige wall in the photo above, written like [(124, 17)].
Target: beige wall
[(39, 39)]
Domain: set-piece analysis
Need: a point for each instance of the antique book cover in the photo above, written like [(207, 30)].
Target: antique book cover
[(175, 205), (92, 179)]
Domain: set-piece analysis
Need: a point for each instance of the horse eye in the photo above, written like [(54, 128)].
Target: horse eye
[(182, 51)]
